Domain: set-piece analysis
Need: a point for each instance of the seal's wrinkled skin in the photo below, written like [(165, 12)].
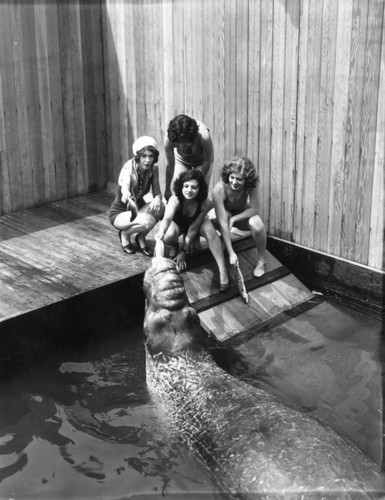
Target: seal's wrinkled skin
[(256, 446)]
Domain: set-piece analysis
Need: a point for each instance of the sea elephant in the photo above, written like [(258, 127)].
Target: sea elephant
[(255, 445)]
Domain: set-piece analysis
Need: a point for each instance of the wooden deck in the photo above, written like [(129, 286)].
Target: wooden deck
[(63, 249), (60, 250)]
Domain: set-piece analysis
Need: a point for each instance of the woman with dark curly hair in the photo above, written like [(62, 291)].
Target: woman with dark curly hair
[(186, 214), (235, 199), (129, 212), (187, 145)]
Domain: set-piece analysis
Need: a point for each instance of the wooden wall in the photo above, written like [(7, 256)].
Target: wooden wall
[(296, 85), (52, 120)]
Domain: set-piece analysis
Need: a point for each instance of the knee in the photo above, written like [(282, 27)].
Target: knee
[(208, 231), (256, 224)]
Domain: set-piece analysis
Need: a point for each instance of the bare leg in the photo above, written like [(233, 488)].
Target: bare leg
[(258, 232), (171, 239), (208, 231)]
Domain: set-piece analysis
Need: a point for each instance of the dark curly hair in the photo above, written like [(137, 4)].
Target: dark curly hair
[(190, 175), (244, 166), (182, 128), (151, 150)]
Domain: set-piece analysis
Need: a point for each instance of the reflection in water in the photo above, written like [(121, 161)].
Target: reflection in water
[(89, 430), (327, 361)]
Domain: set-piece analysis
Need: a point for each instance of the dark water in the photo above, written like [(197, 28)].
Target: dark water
[(85, 428)]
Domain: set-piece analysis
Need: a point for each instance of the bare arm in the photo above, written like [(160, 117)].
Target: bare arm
[(208, 153), (170, 165), (171, 208), (156, 192)]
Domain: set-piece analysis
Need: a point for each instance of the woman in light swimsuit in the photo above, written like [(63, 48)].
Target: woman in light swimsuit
[(235, 199)]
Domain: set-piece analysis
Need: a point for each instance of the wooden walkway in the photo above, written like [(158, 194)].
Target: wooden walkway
[(60, 250), (66, 248)]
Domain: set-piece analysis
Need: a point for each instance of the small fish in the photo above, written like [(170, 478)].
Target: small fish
[(240, 282)]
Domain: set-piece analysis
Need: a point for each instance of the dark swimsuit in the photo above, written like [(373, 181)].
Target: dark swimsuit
[(184, 221)]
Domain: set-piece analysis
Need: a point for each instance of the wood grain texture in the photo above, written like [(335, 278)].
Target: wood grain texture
[(296, 85)]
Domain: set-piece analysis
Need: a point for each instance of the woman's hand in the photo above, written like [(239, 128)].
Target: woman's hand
[(159, 236), (155, 204), (131, 205), (231, 223), (233, 258), (180, 260)]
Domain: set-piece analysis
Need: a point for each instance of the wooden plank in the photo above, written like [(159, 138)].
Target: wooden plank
[(12, 177), (241, 77), (77, 80), (277, 108), (368, 128), (178, 57), (230, 70), (289, 119), (5, 202), (218, 120), (292, 290), (325, 139), (253, 98), (353, 128), (168, 66), (376, 243), (99, 95), (44, 89), (36, 161), (311, 121), (339, 117), (301, 132), (67, 99), (87, 71), (55, 104), (264, 159)]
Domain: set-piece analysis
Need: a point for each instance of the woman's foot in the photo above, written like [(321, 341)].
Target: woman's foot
[(142, 247), (127, 246), (259, 269), (224, 281)]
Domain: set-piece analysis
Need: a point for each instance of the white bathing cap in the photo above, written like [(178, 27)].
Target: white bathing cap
[(142, 142)]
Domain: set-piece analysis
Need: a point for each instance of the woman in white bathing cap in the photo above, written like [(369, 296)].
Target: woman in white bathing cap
[(129, 212)]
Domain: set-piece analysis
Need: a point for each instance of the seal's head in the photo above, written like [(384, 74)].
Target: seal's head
[(171, 326)]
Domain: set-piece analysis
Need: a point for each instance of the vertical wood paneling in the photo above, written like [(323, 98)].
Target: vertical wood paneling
[(297, 85), (253, 88), (265, 107), (341, 91), (311, 120), (377, 222), (369, 119), (218, 129), (289, 119), (300, 142), (325, 121), (277, 111)]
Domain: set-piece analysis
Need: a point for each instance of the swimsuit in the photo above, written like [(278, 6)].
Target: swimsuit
[(184, 221)]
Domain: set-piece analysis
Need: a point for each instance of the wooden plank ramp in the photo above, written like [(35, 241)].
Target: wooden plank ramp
[(224, 316)]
